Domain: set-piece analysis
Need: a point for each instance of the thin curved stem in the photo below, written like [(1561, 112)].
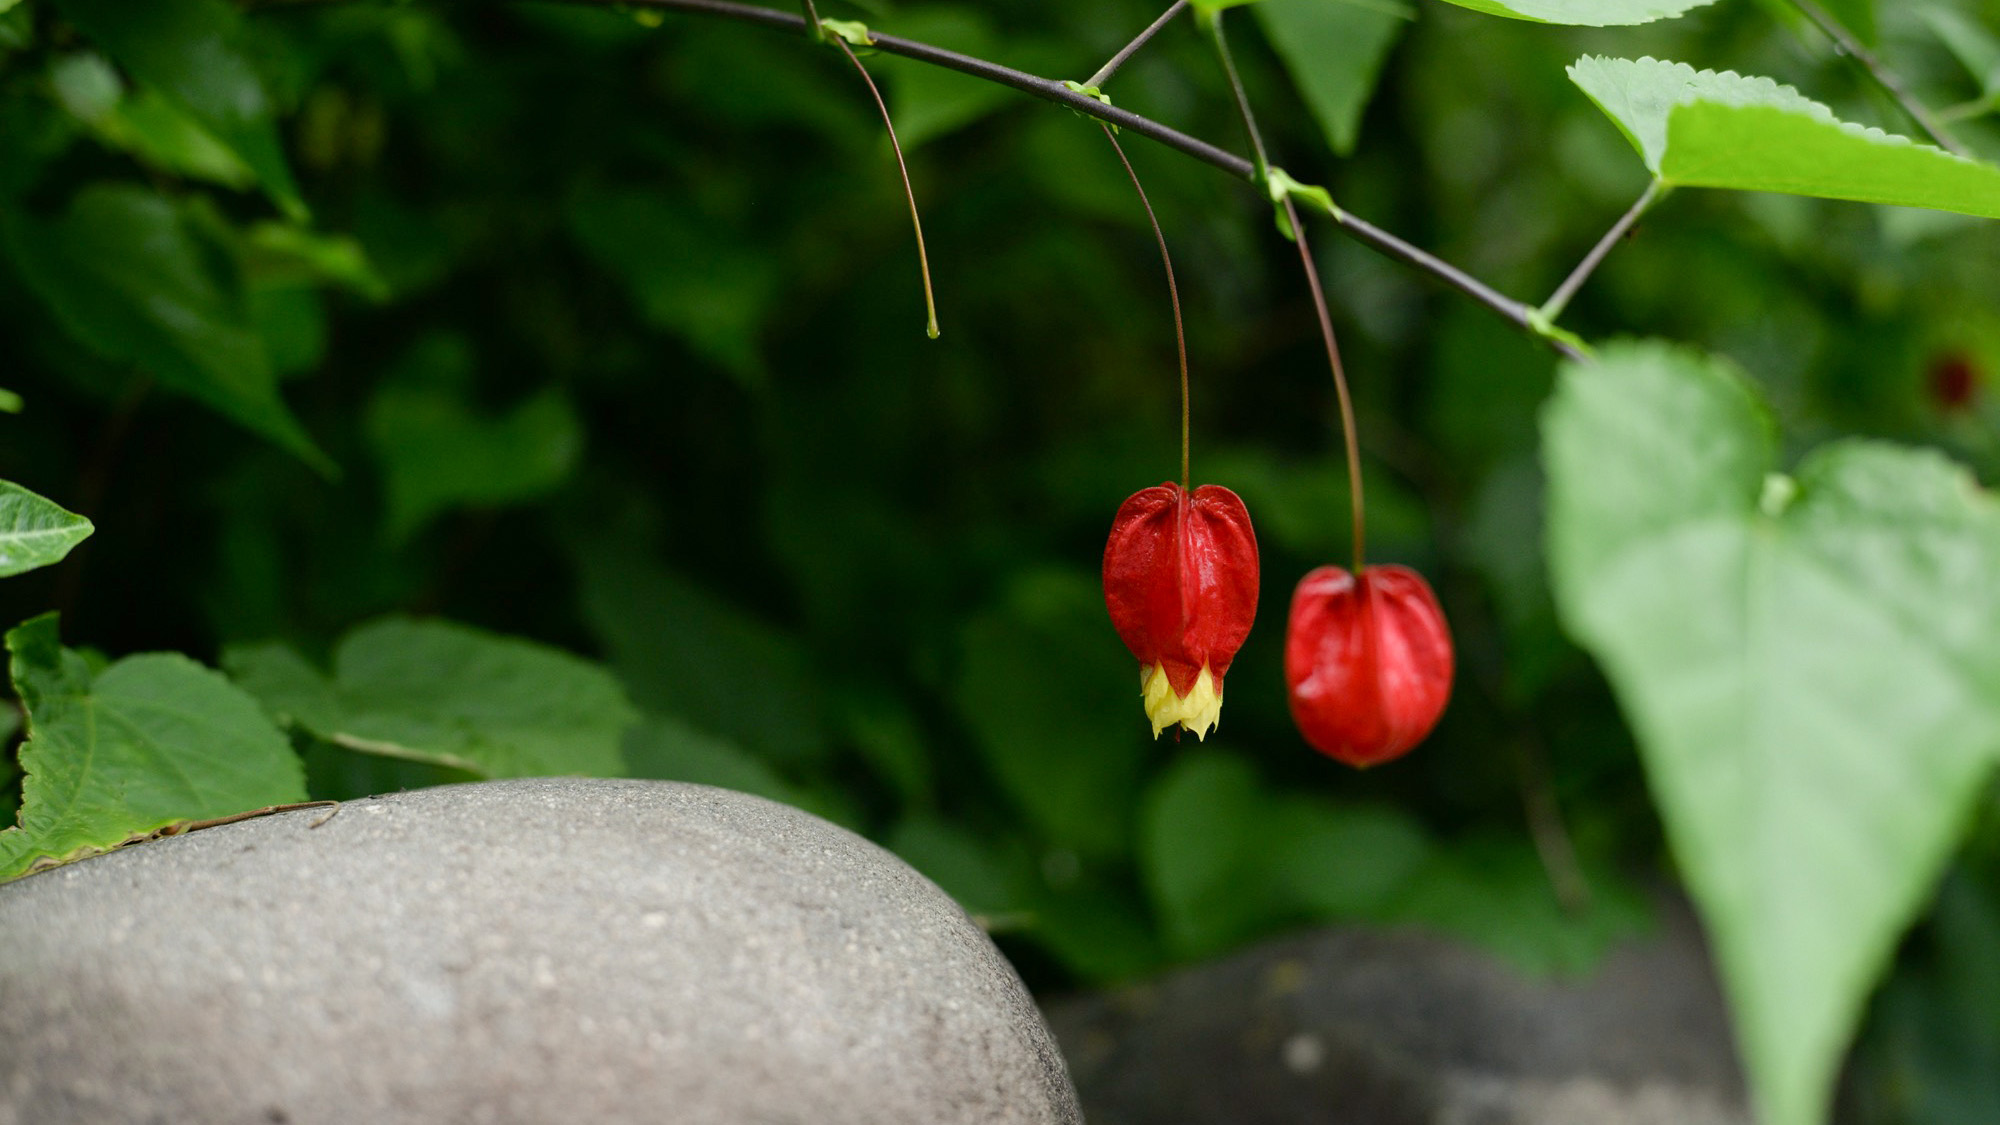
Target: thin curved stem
[(1348, 429), (1105, 72), (1559, 300), (1173, 293), (1515, 312), (1884, 77), (923, 259), (1213, 22)]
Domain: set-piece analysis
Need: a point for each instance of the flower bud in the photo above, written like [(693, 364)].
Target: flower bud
[(1369, 662), (1180, 580)]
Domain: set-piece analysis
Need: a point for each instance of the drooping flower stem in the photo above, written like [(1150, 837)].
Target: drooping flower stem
[(923, 259), (1173, 292), (1212, 21), (1347, 426)]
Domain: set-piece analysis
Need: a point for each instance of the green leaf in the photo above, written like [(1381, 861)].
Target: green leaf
[(1976, 48), (966, 865), (17, 26), (1052, 701), (10, 403), (34, 532), (143, 123), (1585, 13), (193, 52), (930, 101), (115, 756), (449, 694), (1808, 664), (1200, 828), (437, 453), (1495, 892), (1857, 16), (688, 275), (129, 274), (279, 253), (670, 750), (1708, 129), (1334, 50), (687, 653)]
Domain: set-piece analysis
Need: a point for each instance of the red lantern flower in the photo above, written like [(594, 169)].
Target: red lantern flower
[(1954, 381), (1369, 662), (1180, 580)]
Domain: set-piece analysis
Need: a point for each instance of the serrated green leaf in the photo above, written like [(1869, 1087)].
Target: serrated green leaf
[(437, 453), (449, 694), (150, 742), (192, 51), (1585, 13), (1724, 130), (35, 532), (1808, 665), (129, 274), (1334, 52)]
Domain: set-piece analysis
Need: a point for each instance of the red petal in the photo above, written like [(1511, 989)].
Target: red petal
[(1180, 579), (1369, 662)]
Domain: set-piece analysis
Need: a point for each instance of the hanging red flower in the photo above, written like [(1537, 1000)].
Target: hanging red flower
[(1180, 580), (1369, 662)]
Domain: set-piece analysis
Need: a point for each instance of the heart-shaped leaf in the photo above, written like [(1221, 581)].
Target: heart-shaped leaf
[(1808, 663), (1725, 130), (113, 756), (1334, 53), (449, 694)]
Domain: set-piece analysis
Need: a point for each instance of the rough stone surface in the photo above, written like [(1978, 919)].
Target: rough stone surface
[(527, 951), (1401, 1028)]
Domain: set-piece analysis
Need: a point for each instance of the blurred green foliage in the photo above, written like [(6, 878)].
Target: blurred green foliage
[(606, 333)]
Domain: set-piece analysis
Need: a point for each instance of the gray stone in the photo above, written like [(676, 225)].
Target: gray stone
[(524, 951), (1367, 1027)]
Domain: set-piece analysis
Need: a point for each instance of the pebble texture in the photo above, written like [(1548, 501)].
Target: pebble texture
[(525, 951), (1371, 1027)]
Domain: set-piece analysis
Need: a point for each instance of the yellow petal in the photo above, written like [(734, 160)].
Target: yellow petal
[(1198, 711)]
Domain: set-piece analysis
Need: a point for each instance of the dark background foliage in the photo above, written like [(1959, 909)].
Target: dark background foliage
[(635, 366)]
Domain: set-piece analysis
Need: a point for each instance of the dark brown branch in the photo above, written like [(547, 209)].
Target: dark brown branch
[(1513, 311)]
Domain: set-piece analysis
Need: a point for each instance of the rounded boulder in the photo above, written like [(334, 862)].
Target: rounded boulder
[(546, 950)]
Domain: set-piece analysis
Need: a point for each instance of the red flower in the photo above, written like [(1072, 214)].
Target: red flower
[(1180, 580), (1954, 381), (1369, 662)]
